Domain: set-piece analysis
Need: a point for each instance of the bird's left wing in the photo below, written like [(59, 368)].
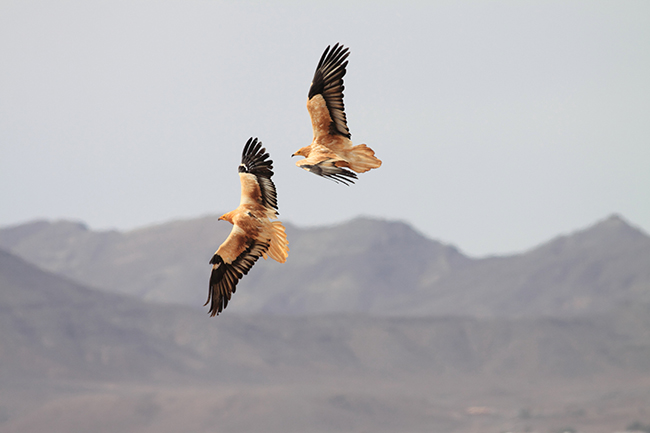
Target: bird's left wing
[(328, 83)]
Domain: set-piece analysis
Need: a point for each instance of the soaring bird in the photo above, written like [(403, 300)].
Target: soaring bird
[(331, 152), (253, 233)]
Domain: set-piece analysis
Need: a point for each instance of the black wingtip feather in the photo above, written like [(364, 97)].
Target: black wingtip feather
[(344, 178), (331, 69), (255, 160), (336, 174)]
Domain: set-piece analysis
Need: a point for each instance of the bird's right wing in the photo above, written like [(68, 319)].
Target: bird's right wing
[(255, 162), (234, 258)]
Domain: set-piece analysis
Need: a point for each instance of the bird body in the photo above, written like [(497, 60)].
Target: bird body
[(254, 234), (331, 152)]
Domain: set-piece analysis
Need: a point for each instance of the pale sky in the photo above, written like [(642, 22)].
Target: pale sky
[(500, 124)]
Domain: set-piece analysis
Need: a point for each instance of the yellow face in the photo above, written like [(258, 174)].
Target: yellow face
[(303, 151)]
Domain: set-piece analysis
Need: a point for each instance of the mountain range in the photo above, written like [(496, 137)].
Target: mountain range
[(380, 356), (365, 266)]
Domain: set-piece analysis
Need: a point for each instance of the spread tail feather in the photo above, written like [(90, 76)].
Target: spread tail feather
[(362, 158), (279, 248)]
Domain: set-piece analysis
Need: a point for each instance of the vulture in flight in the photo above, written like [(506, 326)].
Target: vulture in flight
[(331, 153), (253, 233)]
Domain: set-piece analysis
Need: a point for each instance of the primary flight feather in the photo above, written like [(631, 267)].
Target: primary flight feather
[(331, 152), (253, 235)]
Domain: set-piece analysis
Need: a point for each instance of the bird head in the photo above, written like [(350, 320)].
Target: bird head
[(226, 217), (303, 151)]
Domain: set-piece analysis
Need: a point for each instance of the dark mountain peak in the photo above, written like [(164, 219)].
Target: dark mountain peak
[(611, 229), (371, 222), (392, 228), (615, 218), (390, 231), (615, 223), (11, 236), (612, 234)]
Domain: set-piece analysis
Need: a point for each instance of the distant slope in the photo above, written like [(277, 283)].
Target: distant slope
[(365, 265), (75, 359), (588, 271), (52, 327), (164, 263)]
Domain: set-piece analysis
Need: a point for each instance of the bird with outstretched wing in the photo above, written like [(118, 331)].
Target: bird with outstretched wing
[(331, 153), (253, 234)]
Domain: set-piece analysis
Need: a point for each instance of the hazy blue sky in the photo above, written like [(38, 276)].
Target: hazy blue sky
[(500, 124)]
